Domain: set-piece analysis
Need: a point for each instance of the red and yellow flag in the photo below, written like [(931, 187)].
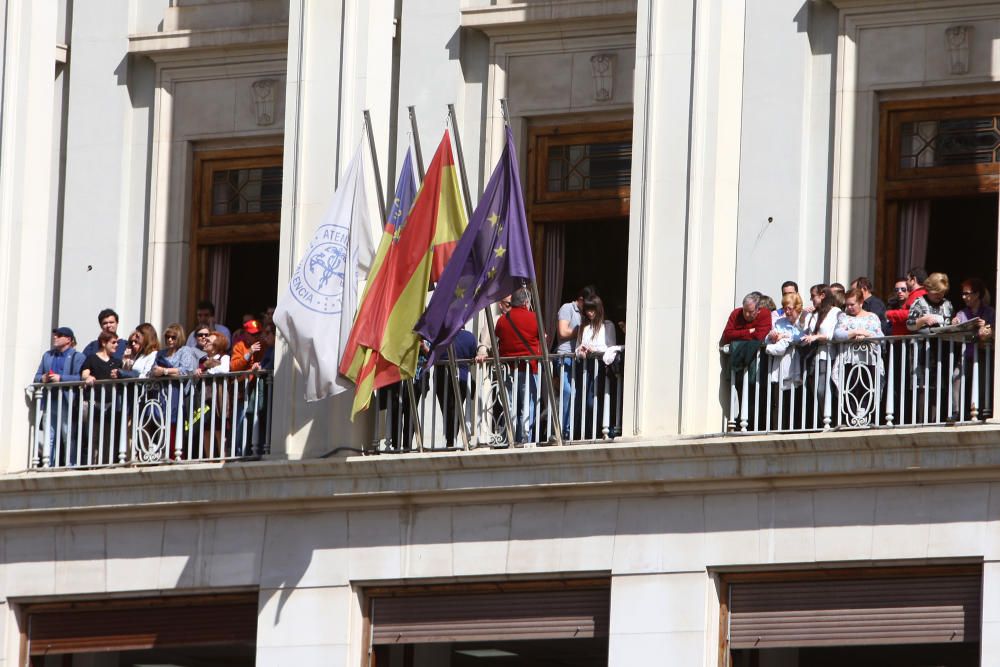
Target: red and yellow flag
[(382, 348)]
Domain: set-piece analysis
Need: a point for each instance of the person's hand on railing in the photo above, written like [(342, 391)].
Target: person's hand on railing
[(481, 354), (814, 338), (857, 334), (89, 380), (775, 335), (51, 377)]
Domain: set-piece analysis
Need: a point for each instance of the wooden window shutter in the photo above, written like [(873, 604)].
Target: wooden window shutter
[(89, 627), (852, 612), (495, 616)]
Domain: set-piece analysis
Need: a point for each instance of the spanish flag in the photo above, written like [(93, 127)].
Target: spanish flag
[(382, 348)]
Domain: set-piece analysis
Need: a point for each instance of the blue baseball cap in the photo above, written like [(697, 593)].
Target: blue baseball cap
[(64, 331)]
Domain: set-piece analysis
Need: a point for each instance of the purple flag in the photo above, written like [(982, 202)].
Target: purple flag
[(491, 260)]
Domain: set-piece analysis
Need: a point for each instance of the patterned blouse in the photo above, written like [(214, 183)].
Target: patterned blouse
[(923, 307), (847, 323)]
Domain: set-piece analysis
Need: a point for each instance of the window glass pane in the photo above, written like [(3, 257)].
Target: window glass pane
[(948, 142), (580, 167), (255, 190)]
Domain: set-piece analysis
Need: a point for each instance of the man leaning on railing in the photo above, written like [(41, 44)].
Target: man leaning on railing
[(61, 363)]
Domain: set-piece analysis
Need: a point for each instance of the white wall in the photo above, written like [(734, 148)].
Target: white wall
[(105, 218), (659, 550), (785, 152)]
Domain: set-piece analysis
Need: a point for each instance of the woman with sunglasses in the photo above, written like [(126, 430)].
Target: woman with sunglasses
[(140, 356), (174, 359)]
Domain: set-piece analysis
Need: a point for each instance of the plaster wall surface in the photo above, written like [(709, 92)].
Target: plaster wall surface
[(661, 552)]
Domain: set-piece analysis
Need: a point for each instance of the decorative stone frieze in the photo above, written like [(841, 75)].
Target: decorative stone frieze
[(603, 67), (959, 45), (263, 97)]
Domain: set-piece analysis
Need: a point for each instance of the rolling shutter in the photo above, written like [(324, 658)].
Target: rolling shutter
[(497, 616), (136, 625), (851, 612)]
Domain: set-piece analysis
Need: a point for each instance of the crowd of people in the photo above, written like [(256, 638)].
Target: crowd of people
[(211, 349), (794, 334), (582, 332)]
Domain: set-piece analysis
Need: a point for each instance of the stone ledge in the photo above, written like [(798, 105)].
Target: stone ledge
[(151, 44), (638, 467)]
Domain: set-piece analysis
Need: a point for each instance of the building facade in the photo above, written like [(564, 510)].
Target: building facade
[(675, 154)]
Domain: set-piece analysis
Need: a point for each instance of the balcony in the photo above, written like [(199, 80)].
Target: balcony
[(150, 421), (587, 398), (227, 417), (912, 381)]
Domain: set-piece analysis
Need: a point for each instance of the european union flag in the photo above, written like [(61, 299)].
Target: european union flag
[(492, 259)]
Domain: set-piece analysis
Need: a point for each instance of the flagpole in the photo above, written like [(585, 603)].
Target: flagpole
[(414, 416), (547, 376), (416, 142), (378, 174), (452, 363), (490, 324)]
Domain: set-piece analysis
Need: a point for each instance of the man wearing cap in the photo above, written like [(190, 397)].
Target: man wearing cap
[(61, 363), (247, 354)]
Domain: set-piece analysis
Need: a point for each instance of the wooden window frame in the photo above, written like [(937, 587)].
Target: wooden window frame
[(896, 185), (574, 205), (207, 229), (570, 207)]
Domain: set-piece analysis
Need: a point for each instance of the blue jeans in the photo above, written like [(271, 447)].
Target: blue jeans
[(566, 372), (524, 415)]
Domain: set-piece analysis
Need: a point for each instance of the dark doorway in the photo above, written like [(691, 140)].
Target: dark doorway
[(596, 253), (592, 652), (253, 281), (910, 655), (962, 241)]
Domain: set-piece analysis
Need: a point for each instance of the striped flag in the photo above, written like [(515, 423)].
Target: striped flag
[(382, 348)]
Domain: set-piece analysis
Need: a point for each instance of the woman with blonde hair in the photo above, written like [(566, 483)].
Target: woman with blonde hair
[(932, 309), (175, 358)]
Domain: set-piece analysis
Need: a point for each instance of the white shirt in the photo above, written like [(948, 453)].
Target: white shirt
[(597, 341)]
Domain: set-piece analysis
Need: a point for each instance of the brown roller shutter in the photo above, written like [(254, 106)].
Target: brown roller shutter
[(496, 616), (845, 612), (142, 624)]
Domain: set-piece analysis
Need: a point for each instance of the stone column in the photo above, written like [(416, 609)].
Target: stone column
[(26, 135), (659, 615)]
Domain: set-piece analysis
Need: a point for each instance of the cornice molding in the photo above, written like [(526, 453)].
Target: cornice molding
[(509, 17), (682, 466), (156, 45)]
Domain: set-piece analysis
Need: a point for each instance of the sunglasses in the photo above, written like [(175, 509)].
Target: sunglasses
[(202, 334), (899, 289), (170, 337)]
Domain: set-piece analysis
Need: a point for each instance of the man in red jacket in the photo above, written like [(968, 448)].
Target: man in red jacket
[(517, 336), (915, 283), (751, 322)]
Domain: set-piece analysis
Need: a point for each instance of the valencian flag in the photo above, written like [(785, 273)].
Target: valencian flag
[(414, 249), (492, 259), (315, 313)]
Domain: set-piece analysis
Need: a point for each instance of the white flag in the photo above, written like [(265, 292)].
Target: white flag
[(316, 313)]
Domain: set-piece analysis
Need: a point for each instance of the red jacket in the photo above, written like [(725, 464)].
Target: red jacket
[(510, 343), (737, 328), (897, 316)]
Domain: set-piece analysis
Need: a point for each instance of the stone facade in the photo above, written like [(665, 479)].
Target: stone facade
[(755, 138)]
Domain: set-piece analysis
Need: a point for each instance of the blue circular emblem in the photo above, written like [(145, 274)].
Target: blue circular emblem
[(318, 281)]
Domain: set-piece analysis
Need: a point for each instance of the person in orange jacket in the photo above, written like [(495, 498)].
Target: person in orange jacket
[(247, 354)]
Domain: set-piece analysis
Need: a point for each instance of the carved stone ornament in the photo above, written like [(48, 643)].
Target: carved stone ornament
[(603, 67), (264, 93), (959, 44)]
